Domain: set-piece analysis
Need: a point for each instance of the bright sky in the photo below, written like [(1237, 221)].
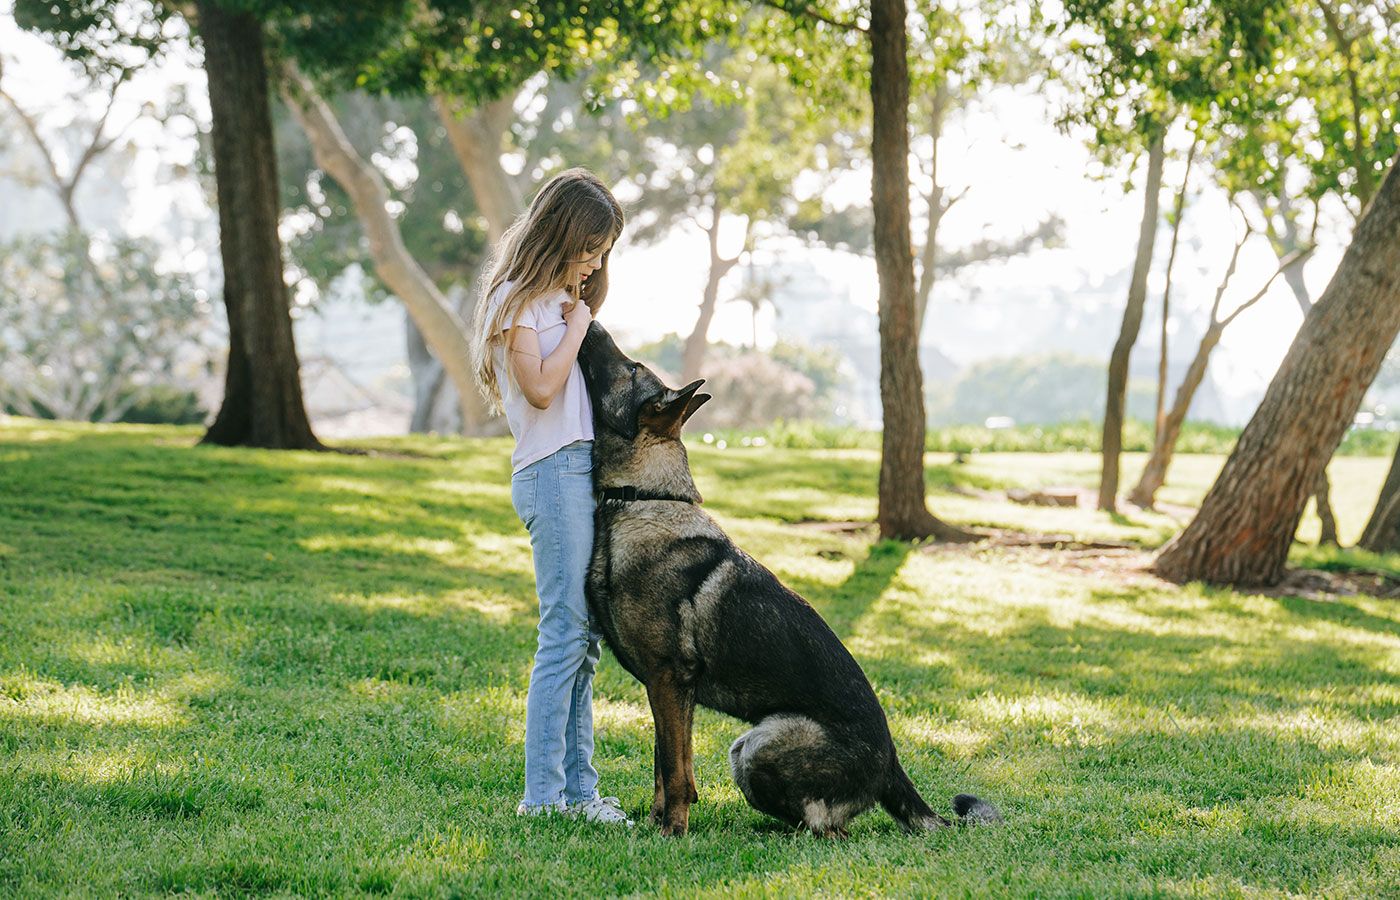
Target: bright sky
[(1016, 167)]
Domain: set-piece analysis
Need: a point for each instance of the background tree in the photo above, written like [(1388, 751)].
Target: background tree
[(89, 339), (1155, 470), (262, 403), (1146, 66), (827, 54), (1248, 518), (730, 159), (92, 323)]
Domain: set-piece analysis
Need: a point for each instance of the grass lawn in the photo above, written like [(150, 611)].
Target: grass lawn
[(236, 673)]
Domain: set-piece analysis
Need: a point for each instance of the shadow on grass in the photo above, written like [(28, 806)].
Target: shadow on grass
[(332, 657)]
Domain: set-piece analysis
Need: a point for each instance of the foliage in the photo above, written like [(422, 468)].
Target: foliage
[(228, 672), (163, 404), (1319, 120), (86, 331), (438, 219)]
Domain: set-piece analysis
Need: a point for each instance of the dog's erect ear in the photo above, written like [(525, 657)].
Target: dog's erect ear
[(696, 401), (667, 410)]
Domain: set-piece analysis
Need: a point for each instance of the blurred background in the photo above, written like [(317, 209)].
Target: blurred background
[(747, 258)]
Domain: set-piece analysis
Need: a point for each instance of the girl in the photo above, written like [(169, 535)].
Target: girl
[(548, 278)]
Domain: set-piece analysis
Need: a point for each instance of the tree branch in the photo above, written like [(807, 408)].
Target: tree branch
[(1291, 259), (810, 12)]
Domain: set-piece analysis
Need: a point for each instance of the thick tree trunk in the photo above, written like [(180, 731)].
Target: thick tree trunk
[(1154, 474), (1248, 518), (263, 404), (903, 511), (695, 345), (443, 330), (1116, 400)]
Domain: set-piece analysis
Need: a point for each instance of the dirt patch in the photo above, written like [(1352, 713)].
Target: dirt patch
[(1129, 564)]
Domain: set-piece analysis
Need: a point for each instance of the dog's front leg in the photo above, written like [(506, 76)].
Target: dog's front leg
[(658, 798), (672, 711)]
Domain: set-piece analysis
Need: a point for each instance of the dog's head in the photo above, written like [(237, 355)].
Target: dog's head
[(637, 419)]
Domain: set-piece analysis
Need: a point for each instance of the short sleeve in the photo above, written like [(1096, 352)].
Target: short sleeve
[(529, 316)]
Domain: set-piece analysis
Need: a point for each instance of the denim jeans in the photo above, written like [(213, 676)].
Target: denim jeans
[(554, 499)]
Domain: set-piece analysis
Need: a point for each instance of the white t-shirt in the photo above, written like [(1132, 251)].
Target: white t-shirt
[(569, 417)]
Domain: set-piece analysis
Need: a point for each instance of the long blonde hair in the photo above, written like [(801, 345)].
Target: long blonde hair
[(571, 217)]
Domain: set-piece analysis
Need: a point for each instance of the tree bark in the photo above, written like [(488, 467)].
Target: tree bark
[(1322, 497), (1382, 534), (443, 330), (476, 137), (1248, 518), (694, 356), (903, 511), (1116, 398), (1154, 474), (263, 404)]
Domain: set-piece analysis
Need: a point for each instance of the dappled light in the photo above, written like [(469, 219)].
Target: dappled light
[(334, 649)]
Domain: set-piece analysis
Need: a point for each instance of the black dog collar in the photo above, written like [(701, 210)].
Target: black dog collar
[(629, 493)]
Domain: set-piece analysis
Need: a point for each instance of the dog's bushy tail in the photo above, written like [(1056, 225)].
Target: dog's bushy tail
[(903, 802), (974, 810)]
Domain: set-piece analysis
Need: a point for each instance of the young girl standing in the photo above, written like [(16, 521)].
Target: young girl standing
[(547, 279)]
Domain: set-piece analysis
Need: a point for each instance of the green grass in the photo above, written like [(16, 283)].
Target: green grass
[(236, 673)]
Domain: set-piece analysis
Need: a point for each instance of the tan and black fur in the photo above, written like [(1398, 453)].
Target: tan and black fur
[(697, 620)]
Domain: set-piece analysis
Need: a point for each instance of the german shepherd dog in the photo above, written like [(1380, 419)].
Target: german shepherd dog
[(697, 620)]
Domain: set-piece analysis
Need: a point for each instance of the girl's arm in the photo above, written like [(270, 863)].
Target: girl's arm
[(540, 377)]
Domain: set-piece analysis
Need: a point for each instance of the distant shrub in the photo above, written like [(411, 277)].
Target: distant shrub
[(163, 404), (1084, 437)]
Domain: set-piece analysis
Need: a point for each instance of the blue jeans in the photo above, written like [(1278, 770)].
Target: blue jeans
[(554, 498)]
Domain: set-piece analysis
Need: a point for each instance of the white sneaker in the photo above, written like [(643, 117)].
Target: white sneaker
[(607, 810), (559, 807)]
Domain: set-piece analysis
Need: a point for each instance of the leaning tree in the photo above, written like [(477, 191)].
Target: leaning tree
[(1246, 522)]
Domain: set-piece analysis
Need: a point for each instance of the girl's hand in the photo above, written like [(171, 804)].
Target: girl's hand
[(577, 314)]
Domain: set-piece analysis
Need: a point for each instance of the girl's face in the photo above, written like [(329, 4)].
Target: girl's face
[(581, 269)]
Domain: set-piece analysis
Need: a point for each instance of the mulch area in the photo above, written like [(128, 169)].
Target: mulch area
[(1126, 563)]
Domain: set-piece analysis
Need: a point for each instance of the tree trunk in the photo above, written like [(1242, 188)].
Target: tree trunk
[(903, 512), (1154, 474), (1248, 518), (699, 339), (928, 256), (476, 137), (263, 404), (1163, 360), (1382, 534), (1116, 399), (1323, 499), (428, 378), (1284, 245), (443, 330)]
